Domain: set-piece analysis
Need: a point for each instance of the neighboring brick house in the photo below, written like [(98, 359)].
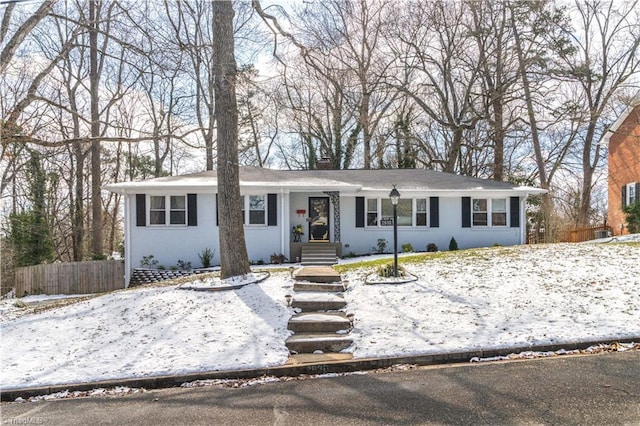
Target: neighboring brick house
[(624, 165)]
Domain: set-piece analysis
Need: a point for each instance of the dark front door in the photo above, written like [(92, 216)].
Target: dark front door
[(319, 219)]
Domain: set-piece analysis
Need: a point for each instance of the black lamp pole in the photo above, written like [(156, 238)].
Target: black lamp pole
[(394, 195)]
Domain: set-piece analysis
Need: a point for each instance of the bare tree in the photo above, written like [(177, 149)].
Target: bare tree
[(11, 45), (438, 70), (345, 42), (234, 260), (193, 30), (493, 34), (605, 56)]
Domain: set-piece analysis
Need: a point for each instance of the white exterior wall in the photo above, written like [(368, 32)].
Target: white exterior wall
[(168, 244), (364, 240)]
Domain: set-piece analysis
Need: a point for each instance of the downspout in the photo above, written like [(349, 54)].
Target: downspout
[(523, 219), (284, 220), (127, 240)]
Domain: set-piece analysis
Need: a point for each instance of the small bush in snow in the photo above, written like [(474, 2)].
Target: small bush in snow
[(432, 248), (278, 258), (632, 217), (148, 262), (453, 244), (206, 257), (386, 270)]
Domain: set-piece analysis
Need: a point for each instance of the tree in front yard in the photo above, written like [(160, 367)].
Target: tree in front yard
[(234, 260)]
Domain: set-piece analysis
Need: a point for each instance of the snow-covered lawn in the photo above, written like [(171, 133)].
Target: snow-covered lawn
[(491, 298), (464, 300)]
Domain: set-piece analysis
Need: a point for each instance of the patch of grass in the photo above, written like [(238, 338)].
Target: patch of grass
[(630, 243), (446, 256)]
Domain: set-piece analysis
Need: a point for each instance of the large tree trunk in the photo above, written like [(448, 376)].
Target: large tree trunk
[(233, 250), (96, 181)]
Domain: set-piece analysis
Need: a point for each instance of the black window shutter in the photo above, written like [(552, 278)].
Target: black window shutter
[(272, 212), (624, 196), (192, 209), (141, 210), (217, 210), (359, 212), (434, 210), (466, 212), (637, 192), (515, 212)]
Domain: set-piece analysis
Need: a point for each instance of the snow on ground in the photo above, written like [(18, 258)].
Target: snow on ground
[(500, 297), (148, 331), (483, 298)]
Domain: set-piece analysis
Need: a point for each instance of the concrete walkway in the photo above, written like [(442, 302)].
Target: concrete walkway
[(321, 327)]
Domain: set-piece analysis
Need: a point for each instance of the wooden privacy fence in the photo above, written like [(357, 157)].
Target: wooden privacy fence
[(585, 234), (96, 276)]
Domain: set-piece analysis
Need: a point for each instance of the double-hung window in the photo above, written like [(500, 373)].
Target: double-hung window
[(380, 212), (480, 212), (167, 209), (372, 212), (499, 212), (421, 212), (255, 205), (257, 210), (489, 212), (632, 197)]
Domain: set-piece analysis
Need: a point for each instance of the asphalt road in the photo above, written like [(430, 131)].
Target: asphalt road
[(601, 389)]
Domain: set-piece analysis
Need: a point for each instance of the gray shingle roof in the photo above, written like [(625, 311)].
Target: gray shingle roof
[(344, 180)]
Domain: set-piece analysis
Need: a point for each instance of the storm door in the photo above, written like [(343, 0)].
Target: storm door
[(318, 219)]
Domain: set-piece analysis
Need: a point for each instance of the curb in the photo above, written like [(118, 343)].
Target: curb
[(158, 382)]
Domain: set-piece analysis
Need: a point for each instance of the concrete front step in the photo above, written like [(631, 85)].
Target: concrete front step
[(318, 301), (319, 322), (318, 261), (318, 287), (318, 274), (311, 342), (318, 255)]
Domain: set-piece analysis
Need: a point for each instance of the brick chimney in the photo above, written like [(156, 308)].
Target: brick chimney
[(324, 163)]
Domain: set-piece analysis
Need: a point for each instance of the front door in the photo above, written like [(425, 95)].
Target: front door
[(319, 219)]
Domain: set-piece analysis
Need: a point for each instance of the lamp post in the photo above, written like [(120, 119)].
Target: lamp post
[(394, 195)]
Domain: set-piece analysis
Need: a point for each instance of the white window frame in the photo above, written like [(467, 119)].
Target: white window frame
[(490, 211), (495, 211), (631, 187), (425, 212), (246, 209), (167, 209), (380, 217), (371, 212)]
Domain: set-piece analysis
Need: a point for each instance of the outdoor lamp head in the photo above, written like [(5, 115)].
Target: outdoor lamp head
[(395, 196)]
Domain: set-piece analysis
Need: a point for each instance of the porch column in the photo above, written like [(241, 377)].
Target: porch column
[(334, 197)]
